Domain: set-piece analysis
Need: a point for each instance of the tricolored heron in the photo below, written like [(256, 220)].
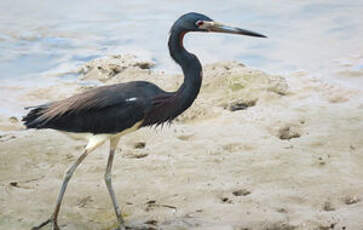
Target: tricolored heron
[(108, 112)]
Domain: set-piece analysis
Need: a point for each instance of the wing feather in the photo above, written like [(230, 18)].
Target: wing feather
[(106, 109)]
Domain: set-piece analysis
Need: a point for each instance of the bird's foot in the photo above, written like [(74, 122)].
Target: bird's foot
[(51, 221)]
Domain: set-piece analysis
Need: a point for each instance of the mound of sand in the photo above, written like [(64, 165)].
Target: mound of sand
[(255, 151)]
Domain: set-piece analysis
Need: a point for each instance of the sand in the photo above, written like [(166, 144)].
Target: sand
[(255, 151)]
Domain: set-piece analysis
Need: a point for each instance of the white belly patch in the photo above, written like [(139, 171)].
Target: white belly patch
[(95, 140)]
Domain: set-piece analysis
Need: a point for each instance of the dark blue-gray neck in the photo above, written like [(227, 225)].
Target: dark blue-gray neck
[(192, 69)]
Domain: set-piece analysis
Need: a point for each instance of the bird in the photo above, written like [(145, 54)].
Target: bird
[(109, 112)]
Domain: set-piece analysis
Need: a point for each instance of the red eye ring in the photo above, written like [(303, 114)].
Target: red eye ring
[(199, 23)]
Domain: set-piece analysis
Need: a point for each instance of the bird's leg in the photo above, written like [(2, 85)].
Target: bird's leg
[(67, 177), (113, 144)]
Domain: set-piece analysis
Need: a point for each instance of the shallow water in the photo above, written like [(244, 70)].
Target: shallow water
[(42, 38)]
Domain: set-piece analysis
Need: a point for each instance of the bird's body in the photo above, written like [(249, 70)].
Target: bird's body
[(108, 112), (107, 109)]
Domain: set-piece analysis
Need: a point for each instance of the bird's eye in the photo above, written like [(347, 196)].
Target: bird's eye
[(199, 23)]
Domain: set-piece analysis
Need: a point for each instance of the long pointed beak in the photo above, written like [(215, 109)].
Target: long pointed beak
[(222, 28)]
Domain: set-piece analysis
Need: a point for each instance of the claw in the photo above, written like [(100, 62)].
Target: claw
[(52, 221)]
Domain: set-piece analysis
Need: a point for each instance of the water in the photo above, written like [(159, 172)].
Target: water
[(42, 38)]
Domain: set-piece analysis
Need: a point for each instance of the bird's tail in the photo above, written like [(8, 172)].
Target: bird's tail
[(33, 119)]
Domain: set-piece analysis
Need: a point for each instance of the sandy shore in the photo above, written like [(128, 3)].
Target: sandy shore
[(255, 151)]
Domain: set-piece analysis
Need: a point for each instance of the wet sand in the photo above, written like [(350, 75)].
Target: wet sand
[(255, 151)]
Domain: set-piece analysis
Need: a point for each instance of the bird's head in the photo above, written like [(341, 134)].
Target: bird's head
[(199, 22)]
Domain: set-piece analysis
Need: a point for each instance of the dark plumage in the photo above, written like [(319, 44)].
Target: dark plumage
[(107, 112), (106, 109)]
